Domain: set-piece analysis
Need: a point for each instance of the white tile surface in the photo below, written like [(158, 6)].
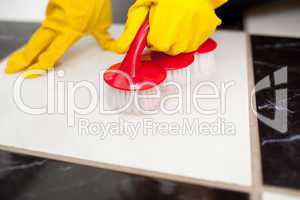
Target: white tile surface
[(214, 158), (278, 19), (276, 196)]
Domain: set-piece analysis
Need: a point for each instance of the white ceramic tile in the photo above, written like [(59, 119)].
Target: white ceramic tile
[(276, 196), (277, 19), (210, 157)]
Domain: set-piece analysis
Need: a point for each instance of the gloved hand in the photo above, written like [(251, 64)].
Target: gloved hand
[(176, 26), (66, 22)]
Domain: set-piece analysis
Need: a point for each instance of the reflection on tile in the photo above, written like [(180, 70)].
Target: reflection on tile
[(30, 178), (280, 151), (13, 35)]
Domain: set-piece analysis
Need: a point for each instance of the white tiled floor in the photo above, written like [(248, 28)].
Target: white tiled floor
[(209, 157), (276, 196), (278, 19)]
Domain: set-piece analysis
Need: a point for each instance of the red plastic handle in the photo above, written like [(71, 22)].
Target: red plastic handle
[(132, 60)]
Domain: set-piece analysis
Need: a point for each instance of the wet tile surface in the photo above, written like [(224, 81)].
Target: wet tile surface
[(280, 151), (30, 178)]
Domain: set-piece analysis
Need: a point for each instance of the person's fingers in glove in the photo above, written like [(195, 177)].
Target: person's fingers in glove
[(66, 22), (176, 26), (23, 58), (103, 23), (136, 16), (49, 57)]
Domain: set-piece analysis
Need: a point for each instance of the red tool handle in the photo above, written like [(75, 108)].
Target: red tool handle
[(132, 60)]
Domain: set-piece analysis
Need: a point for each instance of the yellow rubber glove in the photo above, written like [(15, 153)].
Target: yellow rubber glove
[(218, 3), (176, 26), (66, 22)]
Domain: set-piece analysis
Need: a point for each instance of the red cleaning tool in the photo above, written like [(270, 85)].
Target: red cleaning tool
[(134, 75), (209, 46), (177, 66)]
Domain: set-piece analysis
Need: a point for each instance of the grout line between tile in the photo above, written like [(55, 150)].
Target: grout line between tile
[(257, 179)]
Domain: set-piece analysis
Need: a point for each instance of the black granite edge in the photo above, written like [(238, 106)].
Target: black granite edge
[(28, 178), (280, 151)]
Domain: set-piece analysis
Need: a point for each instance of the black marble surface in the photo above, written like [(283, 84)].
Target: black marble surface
[(280, 151), (31, 178)]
